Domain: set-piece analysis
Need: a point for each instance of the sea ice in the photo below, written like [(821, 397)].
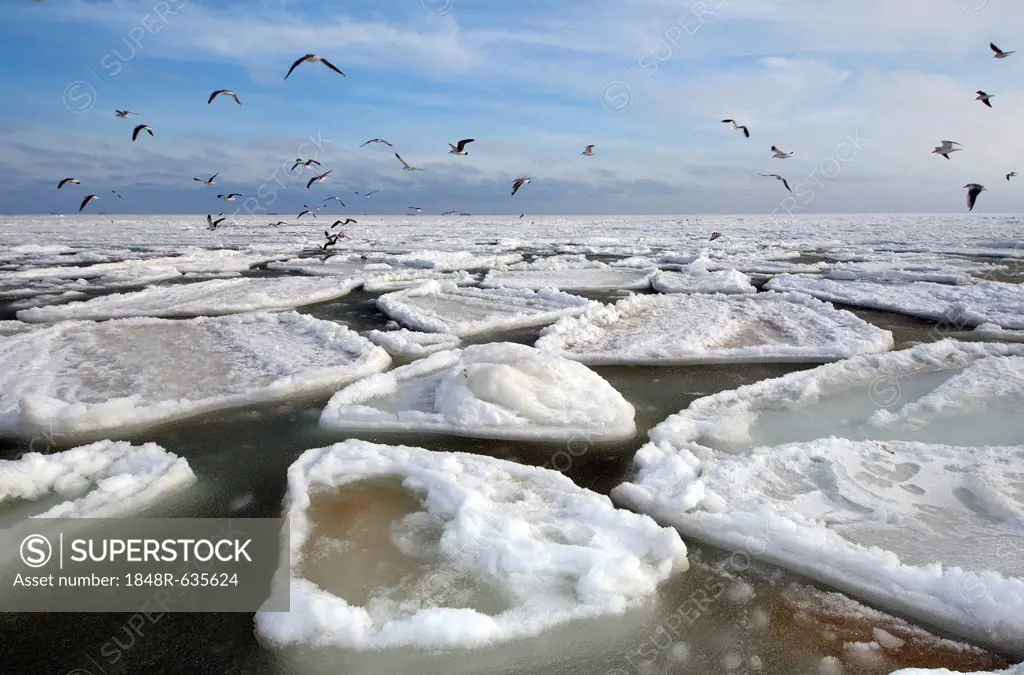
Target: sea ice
[(488, 551), (496, 390), (398, 279), (409, 343), (569, 273), (85, 379), (697, 279), (697, 328)]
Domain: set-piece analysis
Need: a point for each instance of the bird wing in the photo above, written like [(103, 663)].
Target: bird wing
[(311, 181), (746, 132), (774, 149), (464, 142), (135, 134), (331, 66), (986, 102), (213, 96), (63, 183), (86, 201), (993, 47), (235, 96), (785, 184), (214, 176), (296, 64), (401, 160), (972, 196)]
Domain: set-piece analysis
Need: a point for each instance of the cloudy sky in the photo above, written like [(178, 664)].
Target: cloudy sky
[(860, 91)]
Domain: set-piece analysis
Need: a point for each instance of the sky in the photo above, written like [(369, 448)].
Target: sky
[(861, 92)]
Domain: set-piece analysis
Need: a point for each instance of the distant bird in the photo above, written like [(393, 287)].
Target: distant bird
[(973, 190), (984, 98), (207, 181), (225, 92), (304, 213), (588, 151), (139, 129), (946, 148), (460, 148), (448, 213), (229, 197), (68, 180), (376, 140), (999, 53), (337, 199), (123, 114), (715, 235), (737, 127), (779, 154), (405, 165), (417, 209), (313, 58), (118, 194), (343, 222), (371, 192), (308, 163), (85, 202), (1011, 175), (518, 183), (777, 177), (318, 179), (280, 222), (521, 215), (211, 223)]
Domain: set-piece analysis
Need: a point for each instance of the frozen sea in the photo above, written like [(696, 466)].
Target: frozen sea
[(830, 476)]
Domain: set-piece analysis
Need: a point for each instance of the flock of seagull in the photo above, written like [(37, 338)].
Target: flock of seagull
[(945, 149)]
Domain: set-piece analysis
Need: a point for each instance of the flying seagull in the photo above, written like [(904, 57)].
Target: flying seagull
[(460, 148), (777, 177), (229, 197), (376, 140), (304, 213), (318, 179), (211, 223), (779, 154), (715, 235), (225, 92), (983, 97), (999, 53), (518, 183), (945, 149), (123, 114), (417, 209), (1011, 175), (308, 163), (521, 215), (973, 190), (68, 180), (738, 127), (343, 222), (118, 194), (139, 129), (588, 151), (368, 194), (313, 58), (85, 202), (405, 165), (448, 213), (337, 199), (207, 181), (280, 222)]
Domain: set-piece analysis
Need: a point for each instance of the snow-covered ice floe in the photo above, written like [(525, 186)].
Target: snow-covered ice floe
[(398, 279), (695, 278), (894, 272), (85, 379), (106, 479), (489, 551), (963, 306), (574, 273), (446, 261), (696, 328), (496, 390), (869, 475), (203, 298), (409, 343), (443, 307)]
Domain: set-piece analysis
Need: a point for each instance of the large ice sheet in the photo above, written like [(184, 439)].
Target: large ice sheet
[(696, 278), (685, 329), (204, 298), (965, 305), (574, 273), (496, 390), (446, 261), (545, 550), (106, 479), (869, 475), (84, 379), (409, 343), (398, 279), (443, 307)]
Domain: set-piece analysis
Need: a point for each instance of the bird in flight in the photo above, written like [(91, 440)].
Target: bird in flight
[(207, 181), (85, 202), (738, 127), (448, 213), (229, 197), (417, 209), (405, 165), (460, 148), (946, 148), (308, 163), (1011, 175), (337, 199), (973, 190), (343, 222), (518, 183), (313, 58), (68, 180), (123, 114), (376, 140), (118, 194), (715, 235), (139, 129), (280, 222), (588, 151), (779, 154), (521, 215), (999, 53), (984, 98), (211, 223), (777, 177), (312, 213), (225, 92), (370, 193), (318, 179)]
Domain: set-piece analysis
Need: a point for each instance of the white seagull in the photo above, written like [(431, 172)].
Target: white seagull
[(588, 151), (417, 209), (405, 165), (343, 222), (85, 202), (715, 235), (945, 148), (225, 92), (229, 197), (376, 140), (367, 194), (313, 58), (973, 190), (779, 154), (308, 163), (999, 53), (117, 193), (66, 181), (337, 199), (318, 179), (1011, 175), (737, 127), (777, 177), (208, 181), (518, 183), (139, 129), (460, 148), (983, 97), (123, 114), (211, 223), (312, 213)]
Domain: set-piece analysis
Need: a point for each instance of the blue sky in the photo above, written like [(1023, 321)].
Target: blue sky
[(861, 92)]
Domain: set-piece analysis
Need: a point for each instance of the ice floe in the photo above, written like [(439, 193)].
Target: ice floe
[(489, 551), (962, 306), (446, 261), (408, 343), (695, 278), (695, 328), (868, 475), (203, 298), (85, 379), (399, 279), (443, 307), (570, 273), (496, 390)]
